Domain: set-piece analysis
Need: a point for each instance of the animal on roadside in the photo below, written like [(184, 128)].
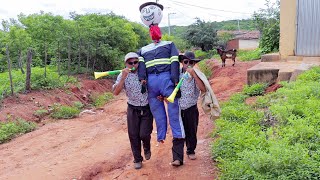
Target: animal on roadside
[(228, 54)]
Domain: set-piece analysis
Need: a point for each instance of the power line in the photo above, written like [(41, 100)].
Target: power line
[(185, 15), (206, 12), (209, 8)]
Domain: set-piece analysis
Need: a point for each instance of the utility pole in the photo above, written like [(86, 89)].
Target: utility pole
[(238, 26), (169, 22)]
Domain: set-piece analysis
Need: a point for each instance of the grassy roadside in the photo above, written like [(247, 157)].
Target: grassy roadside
[(276, 137)]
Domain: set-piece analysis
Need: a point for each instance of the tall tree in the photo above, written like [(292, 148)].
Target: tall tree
[(44, 29), (202, 34), (268, 22)]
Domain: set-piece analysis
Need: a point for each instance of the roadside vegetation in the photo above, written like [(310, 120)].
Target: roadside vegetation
[(98, 100), (12, 129), (38, 81), (59, 111), (277, 137)]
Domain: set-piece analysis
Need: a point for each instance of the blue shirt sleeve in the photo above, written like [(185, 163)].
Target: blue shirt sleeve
[(142, 70), (175, 65)]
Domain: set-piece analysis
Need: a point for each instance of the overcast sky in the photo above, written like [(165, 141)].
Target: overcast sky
[(185, 10)]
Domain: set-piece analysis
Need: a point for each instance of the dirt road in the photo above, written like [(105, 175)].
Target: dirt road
[(96, 146)]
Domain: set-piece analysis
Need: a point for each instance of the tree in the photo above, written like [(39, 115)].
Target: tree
[(28, 75), (18, 40), (268, 23), (180, 43), (224, 37), (44, 29), (202, 34), (143, 34)]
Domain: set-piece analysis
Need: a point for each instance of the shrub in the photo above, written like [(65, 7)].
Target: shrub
[(64, 112), (38, 81), (312, 75), (200, 54), (78, 104), (280, 142), (249, 55), (205, 66), (40, 113), (255, 89), (100, 100), (11, 129)]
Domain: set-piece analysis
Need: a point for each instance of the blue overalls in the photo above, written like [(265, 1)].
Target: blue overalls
[(159, 64)]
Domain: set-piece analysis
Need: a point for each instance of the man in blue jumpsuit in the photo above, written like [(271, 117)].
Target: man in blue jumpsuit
[(159, 68)]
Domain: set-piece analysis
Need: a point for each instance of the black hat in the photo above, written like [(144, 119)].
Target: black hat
[(188, 55), (150, 3)]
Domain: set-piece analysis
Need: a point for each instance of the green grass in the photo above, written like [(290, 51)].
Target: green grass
[(205, 66), (249, 55), (40, 113), (277, 137), (11, 129), (244, 55), (101, 99), (66, 112), (255, 89), (38, 81)]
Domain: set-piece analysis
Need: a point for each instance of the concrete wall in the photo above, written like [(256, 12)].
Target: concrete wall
[(248, 44), (288, 9)]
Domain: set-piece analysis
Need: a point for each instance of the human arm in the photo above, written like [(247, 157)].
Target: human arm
[(119, 85), (142, 69), (198, 81)]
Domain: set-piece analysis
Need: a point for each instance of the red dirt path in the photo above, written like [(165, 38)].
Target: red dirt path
[(96, 145)]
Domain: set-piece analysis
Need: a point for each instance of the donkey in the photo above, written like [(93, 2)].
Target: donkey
[(229, 54)]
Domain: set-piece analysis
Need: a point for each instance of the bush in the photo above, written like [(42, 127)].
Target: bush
[(38, 81), (249, 55), (280, 141), (205, 66), (255, 89), (200, 54), (78, 104), (64, 112), (40, 113), (53, 79), (11, 129), (312, 75), (100, 100)]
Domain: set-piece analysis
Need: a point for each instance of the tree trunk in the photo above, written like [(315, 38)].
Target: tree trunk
[(9, 69), (28, 75), (88, 58), (95, 58), (45, 59), (69, 57), (20, 62), (79, 57), (59, 57)]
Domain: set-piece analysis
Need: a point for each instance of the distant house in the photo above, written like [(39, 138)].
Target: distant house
[(243, 39), (299, 28)]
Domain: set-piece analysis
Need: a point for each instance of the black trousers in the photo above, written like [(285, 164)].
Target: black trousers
[(139, 120), (177, 149), (190, 118)]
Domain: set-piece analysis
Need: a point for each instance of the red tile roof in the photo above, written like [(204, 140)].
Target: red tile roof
[(243, 34)]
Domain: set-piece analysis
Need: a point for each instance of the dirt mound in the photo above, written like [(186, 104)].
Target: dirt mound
[(273, 88), (230, 79), (24, 105)]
